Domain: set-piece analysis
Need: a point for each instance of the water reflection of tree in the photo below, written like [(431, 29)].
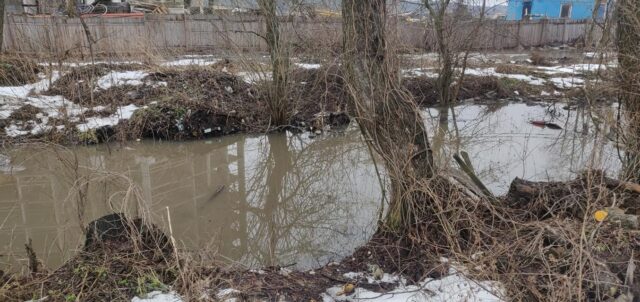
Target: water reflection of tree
[(285, 198), (584, 143), (503, 129), (297, 199)]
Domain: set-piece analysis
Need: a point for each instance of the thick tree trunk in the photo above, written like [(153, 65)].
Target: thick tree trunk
[(388, 118), (629, 82), (278, 98)]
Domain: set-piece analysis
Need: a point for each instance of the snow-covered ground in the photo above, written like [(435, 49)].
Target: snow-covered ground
[(573, 74), (455, 287), (119, 78), (13, 98), (158, 296)]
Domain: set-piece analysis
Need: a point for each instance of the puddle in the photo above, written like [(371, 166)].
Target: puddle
[(503, 143), (274, 199)]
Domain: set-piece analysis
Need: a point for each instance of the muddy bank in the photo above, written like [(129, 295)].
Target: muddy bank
[(529, 240), (121, 258), (118, 102)]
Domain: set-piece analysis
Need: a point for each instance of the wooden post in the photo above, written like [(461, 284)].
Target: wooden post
[(542, 28), (186, 33), (564, 32), (495, 33), (518, 42)]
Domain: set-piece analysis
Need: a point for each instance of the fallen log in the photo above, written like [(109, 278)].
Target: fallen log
[(613, 183), (624, 220), (573, 198)]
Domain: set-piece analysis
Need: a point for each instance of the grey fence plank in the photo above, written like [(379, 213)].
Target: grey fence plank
[(62, 36)]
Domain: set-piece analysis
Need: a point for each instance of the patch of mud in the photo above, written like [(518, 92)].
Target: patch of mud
[(425, 93), (197, 103), (317, 91)]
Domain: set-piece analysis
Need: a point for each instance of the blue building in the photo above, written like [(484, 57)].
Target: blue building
[(554, 9)]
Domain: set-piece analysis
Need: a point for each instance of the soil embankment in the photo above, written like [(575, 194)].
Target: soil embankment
[(531, 240)]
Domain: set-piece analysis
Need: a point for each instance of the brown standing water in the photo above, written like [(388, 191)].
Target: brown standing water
[(273, 199), (262, 200)]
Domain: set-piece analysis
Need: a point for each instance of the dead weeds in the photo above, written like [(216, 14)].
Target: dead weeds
[(15, 71), (25, 113)]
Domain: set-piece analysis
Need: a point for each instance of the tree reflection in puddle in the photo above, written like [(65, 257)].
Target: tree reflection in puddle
[(275, 199), (265, 200)]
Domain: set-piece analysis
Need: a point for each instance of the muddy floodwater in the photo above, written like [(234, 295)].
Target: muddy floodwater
[(279, 199)]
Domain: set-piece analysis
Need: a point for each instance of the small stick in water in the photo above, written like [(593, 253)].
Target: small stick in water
[(216, 193)]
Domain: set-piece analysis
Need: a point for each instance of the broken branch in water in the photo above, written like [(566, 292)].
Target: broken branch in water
[(465, 165)]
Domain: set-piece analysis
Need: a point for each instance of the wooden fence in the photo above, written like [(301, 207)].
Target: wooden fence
[(125, 35)]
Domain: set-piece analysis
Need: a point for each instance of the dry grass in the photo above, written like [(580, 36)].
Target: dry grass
[(16, 71)]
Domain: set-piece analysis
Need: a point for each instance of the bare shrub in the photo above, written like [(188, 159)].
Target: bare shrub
[(538, 59)]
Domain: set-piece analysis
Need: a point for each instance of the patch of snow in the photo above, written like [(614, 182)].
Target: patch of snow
[(45, 298), (157, 296), (492, 72), (190, 61), (308, 66), (452, 288), (198, 56), (544, 93), (521, 77), (254, 77), (13, 98), (6, 111), (223, 293), (566, 83), (24, 90), (428, 55), (80, 64), (123, 113), (119, 78), (352, 275), (14, 131), (577, 68), (419, 72)]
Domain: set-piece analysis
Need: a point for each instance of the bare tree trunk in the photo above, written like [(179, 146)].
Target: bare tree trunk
[(437, 13), (388, 118), (278, 98), (1, 24), (629, 75)]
